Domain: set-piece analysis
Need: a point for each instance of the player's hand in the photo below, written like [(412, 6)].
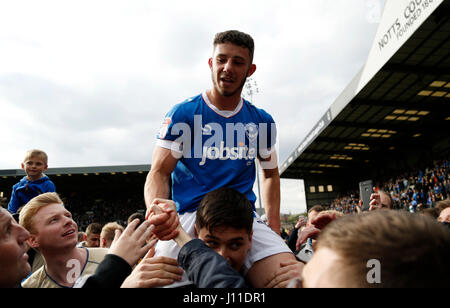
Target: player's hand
[(288, 271), (163, 214)]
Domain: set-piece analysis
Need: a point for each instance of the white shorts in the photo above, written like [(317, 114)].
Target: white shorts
[(265, 243)]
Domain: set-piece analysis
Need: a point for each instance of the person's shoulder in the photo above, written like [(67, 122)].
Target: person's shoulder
[(185, 110), (95, 257), (22, 182), (35, 280), (189, 103), (15, 186), (263, 114), (96, 254), (44, 183), (46, 180), (49, 182)]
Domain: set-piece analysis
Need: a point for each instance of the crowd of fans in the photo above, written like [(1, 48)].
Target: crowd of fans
[(103, 210), (116, 249), (414, 191)]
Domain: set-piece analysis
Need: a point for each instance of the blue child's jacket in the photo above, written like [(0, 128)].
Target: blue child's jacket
[(26, 190)]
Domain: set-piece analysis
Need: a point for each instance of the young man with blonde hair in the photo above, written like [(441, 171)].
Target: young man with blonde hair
[(108, 233), (34, 183), (112, 271), (55, 234)]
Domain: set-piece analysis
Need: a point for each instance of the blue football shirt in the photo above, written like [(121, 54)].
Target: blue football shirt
[(215, 148)]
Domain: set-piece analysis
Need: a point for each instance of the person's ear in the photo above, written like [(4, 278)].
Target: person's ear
[(251, 70), (210, 63), (22, 165), (33, 241)]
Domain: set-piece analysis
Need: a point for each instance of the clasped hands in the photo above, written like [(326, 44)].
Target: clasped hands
[(163, 215)]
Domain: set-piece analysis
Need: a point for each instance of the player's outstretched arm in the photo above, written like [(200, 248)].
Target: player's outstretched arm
[(271, 191), (157, 188), (157, 182)]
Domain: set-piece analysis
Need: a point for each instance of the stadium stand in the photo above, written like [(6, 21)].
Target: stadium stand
[(413, 191), (392, 119), (92, 194)]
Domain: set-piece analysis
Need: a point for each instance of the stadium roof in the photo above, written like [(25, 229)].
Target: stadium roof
[(82, 170), (395, 112)]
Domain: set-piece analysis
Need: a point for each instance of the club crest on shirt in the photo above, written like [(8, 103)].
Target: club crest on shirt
[(251, 130)]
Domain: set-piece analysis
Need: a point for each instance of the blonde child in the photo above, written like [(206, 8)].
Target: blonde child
[(34, 183)]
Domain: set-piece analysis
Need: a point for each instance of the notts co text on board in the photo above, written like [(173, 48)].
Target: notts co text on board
[(411, 14)]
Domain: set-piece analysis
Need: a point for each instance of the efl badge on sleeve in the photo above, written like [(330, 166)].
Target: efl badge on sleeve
[(164, 128)]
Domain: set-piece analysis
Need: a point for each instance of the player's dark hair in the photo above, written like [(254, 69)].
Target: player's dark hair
[(237, 38), (225, 207)]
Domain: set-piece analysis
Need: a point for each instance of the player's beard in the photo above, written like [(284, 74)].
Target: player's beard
[(224, 92)]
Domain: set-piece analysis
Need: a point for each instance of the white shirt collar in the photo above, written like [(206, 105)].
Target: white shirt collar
[(223, 113)]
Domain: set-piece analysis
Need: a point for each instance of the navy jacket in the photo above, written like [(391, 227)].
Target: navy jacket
[(206, 268), (26, 190)]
